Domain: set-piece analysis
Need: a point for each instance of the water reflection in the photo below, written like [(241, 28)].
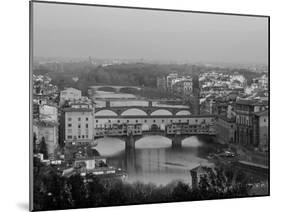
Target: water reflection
[(110, 146), (153, 142), (154, 160)]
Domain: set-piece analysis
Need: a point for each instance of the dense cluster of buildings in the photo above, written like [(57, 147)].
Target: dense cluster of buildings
[(241, 106), (60, 117), (173, 83)]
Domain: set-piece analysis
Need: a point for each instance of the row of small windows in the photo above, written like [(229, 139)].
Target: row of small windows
[(154, 121), (79, 119), (79, 125), (79, 136)]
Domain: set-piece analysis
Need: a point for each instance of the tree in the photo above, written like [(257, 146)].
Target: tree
[(43, 148), (34, 143)]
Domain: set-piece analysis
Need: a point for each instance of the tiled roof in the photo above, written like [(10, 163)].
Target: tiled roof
[(201, 169), (251, 102), (45, 123)]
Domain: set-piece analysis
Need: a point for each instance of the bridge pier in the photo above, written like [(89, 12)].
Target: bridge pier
[(130, 161), (130, 141), (177, 141)]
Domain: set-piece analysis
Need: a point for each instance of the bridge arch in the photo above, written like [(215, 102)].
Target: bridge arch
[(106, 113), (161, 112), (153, 141), (108, 146), (106, 88), (113, 88), (133, 112), (128, 89), (183, 113), (190, 141)]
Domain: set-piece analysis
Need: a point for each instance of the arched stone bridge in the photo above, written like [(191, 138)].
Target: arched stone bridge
[(144, 111), (148, 110), (116, 88), (131, 128), (176, 139)]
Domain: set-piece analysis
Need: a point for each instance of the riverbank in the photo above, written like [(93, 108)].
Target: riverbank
[(252, 156)]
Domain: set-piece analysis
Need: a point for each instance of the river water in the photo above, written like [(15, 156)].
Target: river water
[(154, 160)]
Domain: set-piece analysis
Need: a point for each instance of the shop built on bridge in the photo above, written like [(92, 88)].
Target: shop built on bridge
[(132, 128)]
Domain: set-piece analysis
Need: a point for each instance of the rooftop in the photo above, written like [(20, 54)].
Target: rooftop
[(201, 169), (45, 123), (251, 102)]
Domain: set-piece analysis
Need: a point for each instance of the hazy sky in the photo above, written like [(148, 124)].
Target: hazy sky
[(83, 31)]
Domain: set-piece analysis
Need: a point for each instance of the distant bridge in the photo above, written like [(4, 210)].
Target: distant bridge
[(116, 88)]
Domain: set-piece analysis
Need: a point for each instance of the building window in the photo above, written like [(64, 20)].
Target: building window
[(97, 121), (137, 121), (145, 121), (69, 137), (127, 121), (163, 121), (87, 125), (264, 120), (69, 119), (87, 119), (196, 120), (79, 136), (69, 125), (171, 121), (83, 136), (154, 121), (109, 121), (79, 118), (79, 126), (86, 136), (118, 121)]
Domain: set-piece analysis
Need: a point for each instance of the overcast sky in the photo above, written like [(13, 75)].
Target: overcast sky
[(102, 32)]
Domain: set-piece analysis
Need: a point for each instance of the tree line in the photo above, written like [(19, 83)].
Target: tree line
[(53, 192), (137, 74)]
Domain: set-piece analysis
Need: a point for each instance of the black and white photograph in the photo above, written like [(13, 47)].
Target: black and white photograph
[(133, 105)]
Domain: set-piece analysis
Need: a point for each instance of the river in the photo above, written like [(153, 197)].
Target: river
[(154, 160)]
